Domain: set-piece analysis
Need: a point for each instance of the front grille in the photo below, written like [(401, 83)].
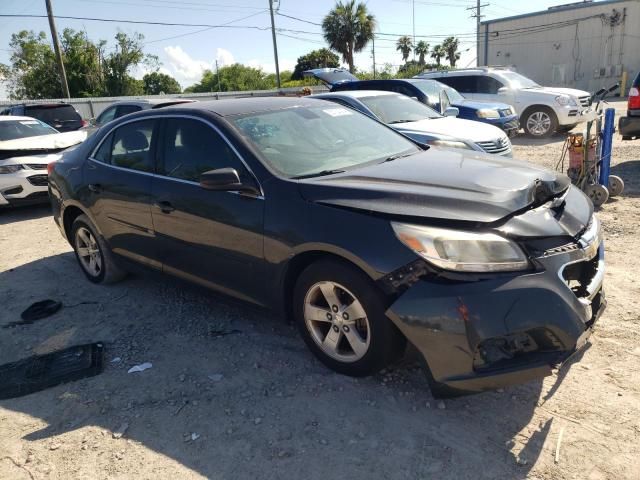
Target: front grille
[(501, 146), (38, 180), (569, 247), (37, 166), (585, 101)]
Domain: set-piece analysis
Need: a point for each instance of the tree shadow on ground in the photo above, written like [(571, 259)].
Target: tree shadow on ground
[(276, 412), (630, 174)]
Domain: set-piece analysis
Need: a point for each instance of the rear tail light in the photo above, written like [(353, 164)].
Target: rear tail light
[(634, 98), (50, 167)]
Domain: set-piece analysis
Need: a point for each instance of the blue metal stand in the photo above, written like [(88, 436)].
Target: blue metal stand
[(607, 144)]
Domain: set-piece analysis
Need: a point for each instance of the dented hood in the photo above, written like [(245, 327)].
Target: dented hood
[(448, 184), (45, 142)]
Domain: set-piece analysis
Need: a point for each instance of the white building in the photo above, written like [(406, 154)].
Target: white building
[(586, 45)]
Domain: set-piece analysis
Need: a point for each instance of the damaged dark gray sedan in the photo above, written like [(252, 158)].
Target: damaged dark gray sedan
[(491, 268)]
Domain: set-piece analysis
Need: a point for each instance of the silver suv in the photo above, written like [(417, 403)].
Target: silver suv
[(542, 110)]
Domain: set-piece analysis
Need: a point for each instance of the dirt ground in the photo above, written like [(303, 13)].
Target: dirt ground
[(234, 394)]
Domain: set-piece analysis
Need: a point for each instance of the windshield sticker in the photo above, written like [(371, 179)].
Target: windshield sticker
[(29, 122), (337, 112)]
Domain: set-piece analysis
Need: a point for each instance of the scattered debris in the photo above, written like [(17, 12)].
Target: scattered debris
[(140, 368), (216, 377), (521, 461), (557, 456), (54, 446), (121, 430), (194, 437), (36, 311), (44, 371), (222, 333), (116, 360), (184, 403), (441, 405)]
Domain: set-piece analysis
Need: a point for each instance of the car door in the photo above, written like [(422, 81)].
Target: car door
[(117, 178), (211, 237)]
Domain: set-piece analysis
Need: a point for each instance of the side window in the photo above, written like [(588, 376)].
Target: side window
[(191, 147), (103, 154), (488, 85), (122, 110), (106, 116), (131, 146), (466, 84)]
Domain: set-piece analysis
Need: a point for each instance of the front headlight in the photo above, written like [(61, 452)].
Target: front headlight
[(449, 144), (488, 113), (10, 168), (565, 100), (462, 251)]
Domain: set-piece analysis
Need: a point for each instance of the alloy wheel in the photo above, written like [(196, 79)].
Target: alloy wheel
[(337, 321), (539, 123), (88, 251)]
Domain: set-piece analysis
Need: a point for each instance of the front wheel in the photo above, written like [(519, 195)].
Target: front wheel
[(539, 122), (340, 314)]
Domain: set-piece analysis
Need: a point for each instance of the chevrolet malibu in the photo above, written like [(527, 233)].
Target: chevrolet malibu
[(491, 268)]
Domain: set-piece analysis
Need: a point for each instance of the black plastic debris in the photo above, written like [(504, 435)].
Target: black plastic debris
[(44, 371), (36, 311), (223, 333)]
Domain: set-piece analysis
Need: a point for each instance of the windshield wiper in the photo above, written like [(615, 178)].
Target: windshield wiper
[(321, 173), (402, 121), (391, 158)]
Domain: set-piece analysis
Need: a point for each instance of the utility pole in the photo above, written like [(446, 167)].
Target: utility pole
[(218, 74), (373, 54), (56, 47), (413, 16), (478, 16), (275, 44)]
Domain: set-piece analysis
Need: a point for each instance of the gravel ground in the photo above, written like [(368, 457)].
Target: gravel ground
[(234, 393)]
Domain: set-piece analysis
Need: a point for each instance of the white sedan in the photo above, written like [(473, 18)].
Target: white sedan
[(27, 147)]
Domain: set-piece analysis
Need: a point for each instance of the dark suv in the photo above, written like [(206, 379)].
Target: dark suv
[(61, 116), (629, 126)]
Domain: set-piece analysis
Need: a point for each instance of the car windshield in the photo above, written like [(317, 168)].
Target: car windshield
[(515, 80), (14, 129), (432, 89), (307, 141), (392, 109)]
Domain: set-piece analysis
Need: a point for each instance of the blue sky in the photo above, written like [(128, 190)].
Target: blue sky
[(187, 54)]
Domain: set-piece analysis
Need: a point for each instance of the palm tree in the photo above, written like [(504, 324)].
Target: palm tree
[(421, 49), (450, 46), (404, 45), (437, 53), (348, 28)]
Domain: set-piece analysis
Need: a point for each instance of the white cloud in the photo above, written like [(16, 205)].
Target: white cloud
[(186, 68), (224, 57)]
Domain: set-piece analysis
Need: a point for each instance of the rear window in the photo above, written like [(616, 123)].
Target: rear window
[(636, 82), (54, 113)]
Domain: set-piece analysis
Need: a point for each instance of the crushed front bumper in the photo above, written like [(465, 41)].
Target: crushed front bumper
[(493, 332)]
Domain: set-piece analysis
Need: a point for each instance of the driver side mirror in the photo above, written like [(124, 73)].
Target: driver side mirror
[(452, 112), (225, 179), (503, 91)]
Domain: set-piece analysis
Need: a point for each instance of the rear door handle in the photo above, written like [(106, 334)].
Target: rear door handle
[(95, 187), (165, 207)]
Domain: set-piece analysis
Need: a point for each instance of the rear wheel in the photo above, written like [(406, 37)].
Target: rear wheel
[(93, 254), (340, 314), (539, 122)]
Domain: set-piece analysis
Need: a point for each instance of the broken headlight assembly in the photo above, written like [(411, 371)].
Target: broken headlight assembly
[(462, 251)]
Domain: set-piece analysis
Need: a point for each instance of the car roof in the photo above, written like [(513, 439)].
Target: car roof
[(153, 101), (240, 106), (14, 118), (356, 93)]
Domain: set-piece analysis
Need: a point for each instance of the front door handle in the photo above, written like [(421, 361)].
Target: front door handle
[(95, 187), (165, 207)]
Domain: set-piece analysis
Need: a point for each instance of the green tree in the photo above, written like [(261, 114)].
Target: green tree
[(409, 69), (348, 28), (404, 45), (421, 49), (322, 58), (83, 63), (450, 46), (438, 53), (155, 83), (33, 72), (127, 55), (233, 78)]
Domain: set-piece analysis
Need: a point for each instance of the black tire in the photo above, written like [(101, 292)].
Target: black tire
[(530, 113), (386, 343), (109, 271)]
